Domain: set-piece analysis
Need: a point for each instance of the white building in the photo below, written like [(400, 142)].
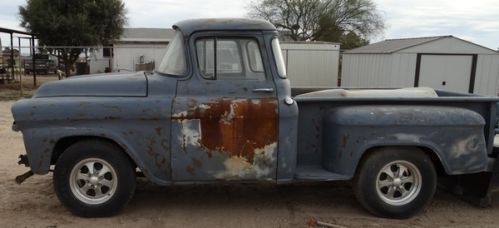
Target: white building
[(311, 64), (443, 62), (139, 47), (99, 60)]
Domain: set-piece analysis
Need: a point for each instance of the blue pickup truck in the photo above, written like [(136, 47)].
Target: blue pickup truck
[(220, 109)]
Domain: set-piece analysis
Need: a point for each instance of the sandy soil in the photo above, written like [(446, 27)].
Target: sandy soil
[(11, 91), (34, 204)]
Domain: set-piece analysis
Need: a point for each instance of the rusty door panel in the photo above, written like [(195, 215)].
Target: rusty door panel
[(224, 138)]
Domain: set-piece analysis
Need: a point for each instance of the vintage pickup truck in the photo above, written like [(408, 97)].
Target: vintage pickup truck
[(220, 109)]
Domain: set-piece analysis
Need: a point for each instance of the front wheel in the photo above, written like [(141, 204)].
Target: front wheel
[(94, 178), (396, 182)]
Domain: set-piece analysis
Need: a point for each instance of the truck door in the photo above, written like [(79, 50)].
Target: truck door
[(225, 115)]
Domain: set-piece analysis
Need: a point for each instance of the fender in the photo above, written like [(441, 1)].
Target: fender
[(455, 135), (141, 126), (42, 142)]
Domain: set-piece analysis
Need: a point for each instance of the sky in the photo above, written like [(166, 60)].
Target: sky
[(476, 21)]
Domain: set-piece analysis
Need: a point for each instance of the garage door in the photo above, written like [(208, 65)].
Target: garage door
[(446, 72)]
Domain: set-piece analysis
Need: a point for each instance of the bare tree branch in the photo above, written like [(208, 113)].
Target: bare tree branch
[(328, 20)]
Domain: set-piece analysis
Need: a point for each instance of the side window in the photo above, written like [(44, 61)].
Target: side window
[(230, 59)]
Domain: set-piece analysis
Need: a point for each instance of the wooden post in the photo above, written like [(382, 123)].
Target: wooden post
[(34, 65), (20, 73), (12, 60)]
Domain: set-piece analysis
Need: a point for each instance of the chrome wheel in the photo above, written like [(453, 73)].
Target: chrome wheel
[(398, 182), (93, 181)]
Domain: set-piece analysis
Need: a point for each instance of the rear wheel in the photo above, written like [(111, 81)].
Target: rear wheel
[(94, 178), (396, 182)]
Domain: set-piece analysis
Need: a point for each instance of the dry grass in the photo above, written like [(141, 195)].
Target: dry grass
[(11, 91)]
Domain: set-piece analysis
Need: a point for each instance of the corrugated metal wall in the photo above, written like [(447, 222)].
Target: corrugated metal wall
[(487, 74), (378, 70), (312, 65), (398, 69)]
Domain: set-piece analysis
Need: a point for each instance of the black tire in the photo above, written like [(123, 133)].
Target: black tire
[(372, 175), (94, 149)]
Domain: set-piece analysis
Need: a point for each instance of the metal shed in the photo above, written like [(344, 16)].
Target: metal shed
[(311, 64), (441, 62)]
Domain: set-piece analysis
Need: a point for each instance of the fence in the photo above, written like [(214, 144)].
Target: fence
[(93, 59)]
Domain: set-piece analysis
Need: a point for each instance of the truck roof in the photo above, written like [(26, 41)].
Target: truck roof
[(222, 24)]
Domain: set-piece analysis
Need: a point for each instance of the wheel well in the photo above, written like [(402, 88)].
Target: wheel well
[(437, 163), (63, 143)]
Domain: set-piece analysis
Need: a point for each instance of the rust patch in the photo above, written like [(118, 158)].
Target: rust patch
[(164, 145), (237, 127), (197, 163), (344, 141), (158, 131), (190, 170), (158, 160)]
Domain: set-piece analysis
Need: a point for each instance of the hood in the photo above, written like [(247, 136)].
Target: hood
[(105, 85)]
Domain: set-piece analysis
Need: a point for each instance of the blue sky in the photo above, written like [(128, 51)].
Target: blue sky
[(476, 21)]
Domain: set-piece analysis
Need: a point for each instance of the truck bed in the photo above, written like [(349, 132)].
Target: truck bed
[(314, 109), (315, 136)]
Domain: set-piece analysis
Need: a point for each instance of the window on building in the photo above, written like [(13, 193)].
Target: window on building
[(107, 52)]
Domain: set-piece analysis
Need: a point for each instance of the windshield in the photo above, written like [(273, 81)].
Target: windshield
[(174, 62)]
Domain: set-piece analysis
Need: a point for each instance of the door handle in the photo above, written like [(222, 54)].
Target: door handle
[(266, 90)]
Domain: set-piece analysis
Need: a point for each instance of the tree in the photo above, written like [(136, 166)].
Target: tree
[(351, 40), (6, 51), (324, 20), (73, 23)]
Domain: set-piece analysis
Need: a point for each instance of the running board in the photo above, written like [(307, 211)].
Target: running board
[(317, 173)]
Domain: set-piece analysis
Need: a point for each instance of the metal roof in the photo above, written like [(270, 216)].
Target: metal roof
[(145, 35), (237, 24), (393, 45), (7, 30)]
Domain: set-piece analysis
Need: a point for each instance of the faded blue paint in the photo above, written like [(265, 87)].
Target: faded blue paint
[(140, 112), (454, 134), (140, 125)]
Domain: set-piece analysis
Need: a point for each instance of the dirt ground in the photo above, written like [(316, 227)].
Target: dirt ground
[(34, 204), (11, 91)]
